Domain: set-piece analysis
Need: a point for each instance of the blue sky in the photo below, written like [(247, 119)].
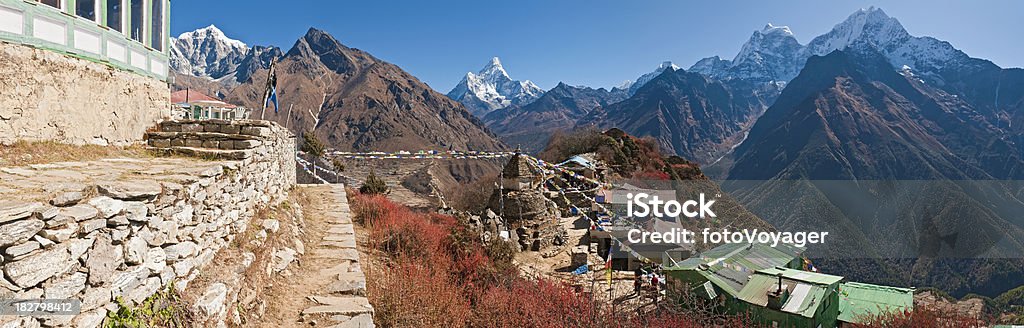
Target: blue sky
[(597, 43)]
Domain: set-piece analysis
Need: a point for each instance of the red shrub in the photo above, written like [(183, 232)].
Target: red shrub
[(438, 274), (534, 304), (409, 294), (652, 175)]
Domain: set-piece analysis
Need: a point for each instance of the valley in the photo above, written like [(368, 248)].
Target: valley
[(903, 148)]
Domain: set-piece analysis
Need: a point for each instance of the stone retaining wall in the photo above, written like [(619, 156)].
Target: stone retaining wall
[(50, 96), (128, 237)]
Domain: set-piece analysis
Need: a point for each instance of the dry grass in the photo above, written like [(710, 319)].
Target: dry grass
[(40, 152)]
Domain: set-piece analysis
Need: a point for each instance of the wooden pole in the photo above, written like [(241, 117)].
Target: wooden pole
[(288, 121)]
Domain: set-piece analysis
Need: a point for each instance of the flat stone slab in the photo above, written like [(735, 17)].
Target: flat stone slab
[(360, 321), (339, 244), (338, 229), (348, 283), (345, 266), (130, 190), (338, 254), (339, 305), (15, 210)]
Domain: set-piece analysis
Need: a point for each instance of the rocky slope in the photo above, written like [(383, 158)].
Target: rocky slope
[(355, 101), (491, 89), (689, 114), (532, 125), (910, 179)]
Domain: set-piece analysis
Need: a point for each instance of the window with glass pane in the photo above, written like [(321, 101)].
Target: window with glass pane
[(86, 9), (114, 15), (137, 20), (51, 3), (158, 25)]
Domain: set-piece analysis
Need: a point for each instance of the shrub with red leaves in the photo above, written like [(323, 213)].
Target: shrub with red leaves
[(438, 274)]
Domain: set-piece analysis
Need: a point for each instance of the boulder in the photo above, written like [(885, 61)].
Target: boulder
[(107, 206), (19, 231), (271, 225), (92, 225), (66, 287), (38, 267), (22, 249), (212, 301), (136, 211), (77, 213), (156, 259), (281, 259), (60, 235), (14, 210), (104, 259), (180, 251), (135, 251), (67, 198)]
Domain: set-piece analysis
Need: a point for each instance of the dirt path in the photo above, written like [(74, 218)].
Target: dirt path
[(327, 287)]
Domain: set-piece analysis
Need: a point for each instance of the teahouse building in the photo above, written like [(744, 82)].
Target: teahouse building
[(131, 35)]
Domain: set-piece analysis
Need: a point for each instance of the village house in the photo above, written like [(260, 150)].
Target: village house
[(191, 104)]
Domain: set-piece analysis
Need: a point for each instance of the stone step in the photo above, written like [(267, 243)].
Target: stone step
[(364, 320), (346, 254), (202, 140), (348, 283), (239, 154), (329, 305), (200, 135)]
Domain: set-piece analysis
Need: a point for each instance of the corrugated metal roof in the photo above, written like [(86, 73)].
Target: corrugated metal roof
[(802, 276), (806, 289), (730, 266), (857, 300)]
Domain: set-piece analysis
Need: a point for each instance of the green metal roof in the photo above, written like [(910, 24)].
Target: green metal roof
[(729, 266), (806, 290), (857, 300), (802, 276)]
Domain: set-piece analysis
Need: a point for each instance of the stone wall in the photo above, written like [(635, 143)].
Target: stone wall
[(155, 221), (51, 96)]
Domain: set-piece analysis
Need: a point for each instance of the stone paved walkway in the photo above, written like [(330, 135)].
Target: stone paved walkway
[(329, 271)]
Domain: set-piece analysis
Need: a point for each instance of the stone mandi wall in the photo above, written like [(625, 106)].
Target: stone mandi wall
[(158, 221), (51, 96)]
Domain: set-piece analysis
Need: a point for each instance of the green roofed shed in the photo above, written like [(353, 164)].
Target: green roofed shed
[(857, 301)]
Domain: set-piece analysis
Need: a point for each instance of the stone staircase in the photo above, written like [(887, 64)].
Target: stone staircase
[(342, 299), (213, 138)]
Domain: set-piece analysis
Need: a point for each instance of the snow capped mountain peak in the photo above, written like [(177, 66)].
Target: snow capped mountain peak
[(643, 79), (206, 52), (495, 61), (212, 32), (493, 71), (773, 54), (491, 88), (772, 29), (872, 27), (770, 54)]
